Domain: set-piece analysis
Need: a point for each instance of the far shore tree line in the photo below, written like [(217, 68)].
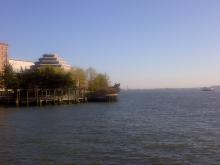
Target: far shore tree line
[(49, 77)]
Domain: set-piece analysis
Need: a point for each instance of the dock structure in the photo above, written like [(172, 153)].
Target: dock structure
[(39, 97), (93, 97), (111, 97)]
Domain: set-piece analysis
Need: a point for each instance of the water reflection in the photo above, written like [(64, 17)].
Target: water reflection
[(4, 138)]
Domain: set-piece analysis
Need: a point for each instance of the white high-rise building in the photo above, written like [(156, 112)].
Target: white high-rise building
[(19, 65)]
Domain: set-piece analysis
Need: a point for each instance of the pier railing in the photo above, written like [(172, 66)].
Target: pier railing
[(42, 96)]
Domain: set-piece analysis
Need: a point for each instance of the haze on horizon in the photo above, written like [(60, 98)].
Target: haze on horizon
[(141, 44)]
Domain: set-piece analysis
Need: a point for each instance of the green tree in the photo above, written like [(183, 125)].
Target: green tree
[(9, 78), (79, 77), (101, 81), (47, 77)]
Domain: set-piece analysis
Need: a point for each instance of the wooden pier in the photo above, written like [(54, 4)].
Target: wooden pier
[(39, 97)]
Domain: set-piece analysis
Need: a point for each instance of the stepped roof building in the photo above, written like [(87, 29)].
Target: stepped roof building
[(53, 60)]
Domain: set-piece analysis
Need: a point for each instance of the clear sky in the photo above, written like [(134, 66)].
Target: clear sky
[(140, 43)]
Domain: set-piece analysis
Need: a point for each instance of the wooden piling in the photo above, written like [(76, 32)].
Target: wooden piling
[(27, 99), (17, 97), (54, 96)]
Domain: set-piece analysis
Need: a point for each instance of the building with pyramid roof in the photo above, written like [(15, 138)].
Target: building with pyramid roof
[(53, 60)]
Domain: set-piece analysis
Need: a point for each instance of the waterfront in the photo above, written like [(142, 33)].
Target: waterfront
[(143, 127)]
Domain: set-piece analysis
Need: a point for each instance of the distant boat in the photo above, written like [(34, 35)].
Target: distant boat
[(206, 89), (216, 88)]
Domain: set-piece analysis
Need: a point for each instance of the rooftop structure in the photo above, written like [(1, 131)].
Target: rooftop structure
[(3, 56), (52, 60), (19, 65)]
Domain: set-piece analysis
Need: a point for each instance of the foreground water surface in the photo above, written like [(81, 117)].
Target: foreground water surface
[(143, 127)]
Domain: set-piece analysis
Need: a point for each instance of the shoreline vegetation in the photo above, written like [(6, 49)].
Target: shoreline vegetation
[(54, 85)]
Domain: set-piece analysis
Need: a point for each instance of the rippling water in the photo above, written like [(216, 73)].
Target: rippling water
[(143, 127)]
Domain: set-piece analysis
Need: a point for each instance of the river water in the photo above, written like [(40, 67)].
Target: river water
[(143, 127)]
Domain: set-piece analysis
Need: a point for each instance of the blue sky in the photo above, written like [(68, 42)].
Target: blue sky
[(140, 43)]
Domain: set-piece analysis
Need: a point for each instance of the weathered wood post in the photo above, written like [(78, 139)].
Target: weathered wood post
[(36, 95), (17, 97), (77, 95), (27, 100), (46, 97), (75, 92), (69, 95), (40, 96), (74, 95), (54, 96), (85, 96), (61, 96)]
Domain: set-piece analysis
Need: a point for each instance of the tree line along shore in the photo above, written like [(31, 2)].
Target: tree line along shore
[(55, 85)]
